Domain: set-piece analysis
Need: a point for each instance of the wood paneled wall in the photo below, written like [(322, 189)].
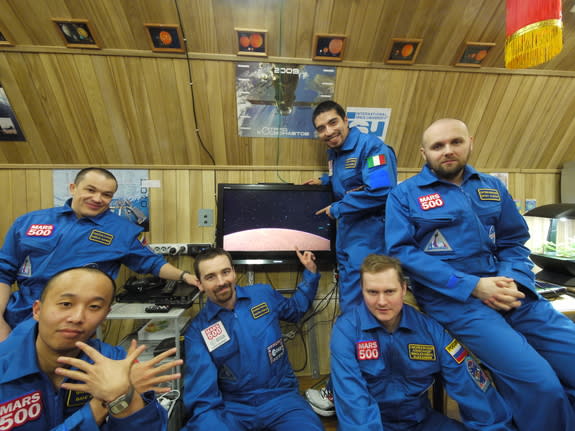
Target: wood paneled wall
[(174, 209)]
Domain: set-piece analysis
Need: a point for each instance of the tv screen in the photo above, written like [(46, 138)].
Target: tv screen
[(263, 223)]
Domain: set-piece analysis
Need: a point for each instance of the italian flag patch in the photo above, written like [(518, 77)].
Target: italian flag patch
[(374, 161)]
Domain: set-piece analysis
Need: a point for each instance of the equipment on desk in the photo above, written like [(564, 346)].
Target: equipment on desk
[(154, 290), (549, 290)]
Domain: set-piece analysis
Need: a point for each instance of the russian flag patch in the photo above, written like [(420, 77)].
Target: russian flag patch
[(457, 351)]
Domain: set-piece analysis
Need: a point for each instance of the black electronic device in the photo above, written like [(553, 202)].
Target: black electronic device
[(175, 294), (263, 223), (157, 308)]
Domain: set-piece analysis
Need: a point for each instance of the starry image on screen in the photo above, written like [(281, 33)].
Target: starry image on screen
[(267, 221)]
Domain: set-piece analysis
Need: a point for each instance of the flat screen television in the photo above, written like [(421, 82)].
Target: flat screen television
[(263, 223)]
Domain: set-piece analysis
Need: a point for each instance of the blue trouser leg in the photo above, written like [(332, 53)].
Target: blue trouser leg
[(523, 376), (286, 412)]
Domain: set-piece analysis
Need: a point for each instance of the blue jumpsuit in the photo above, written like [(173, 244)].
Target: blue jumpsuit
[(381, 379), (447, 237), (29, 401), (360, 188), (42, 243), (247, 382)]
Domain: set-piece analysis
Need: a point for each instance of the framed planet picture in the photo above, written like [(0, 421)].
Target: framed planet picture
[(473, 54), (403, 51), (328, 47), (76, 33), (4, 39), (252, 42), (165, 37)]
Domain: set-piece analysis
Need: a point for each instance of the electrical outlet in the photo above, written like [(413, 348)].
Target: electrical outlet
[(170, 249), (205, 217)]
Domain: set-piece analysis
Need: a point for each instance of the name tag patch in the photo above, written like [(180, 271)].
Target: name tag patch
[(101, 237), (259, 310), (215, 335), (421, 352), (19, 411), (276, 351), (489, 194), (431, 201), (367, 350), (77, 399), (351, 163), (41, 230), (456, 351), (477, 374)]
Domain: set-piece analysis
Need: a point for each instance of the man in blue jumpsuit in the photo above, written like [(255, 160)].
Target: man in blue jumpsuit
[(385, 356), (362, 171), (461, 240), (83, 232), (55, 376), (237, 374)]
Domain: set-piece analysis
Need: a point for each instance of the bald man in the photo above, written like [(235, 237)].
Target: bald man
[(461, 240)]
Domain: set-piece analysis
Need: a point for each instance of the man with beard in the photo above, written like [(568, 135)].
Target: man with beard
[(461, 240), (237, 373)]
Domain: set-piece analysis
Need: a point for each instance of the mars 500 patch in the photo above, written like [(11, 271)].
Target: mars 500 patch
[(40, 230), (367, 350), (21, 410)]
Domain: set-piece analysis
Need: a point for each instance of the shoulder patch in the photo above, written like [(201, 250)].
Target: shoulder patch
[(259, 310), (374, 161), (477, 373), (421, 352), (489, 194), (456, 351), (19, 411), (101, 237)]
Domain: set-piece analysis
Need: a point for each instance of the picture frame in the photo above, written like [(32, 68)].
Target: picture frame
[(5, 39), (403, 51), (252, 42), (473, 54), (328, 47), (76, 33), (165, 37)]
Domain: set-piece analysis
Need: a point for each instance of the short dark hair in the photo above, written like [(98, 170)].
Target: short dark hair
[(207, 254), (375, 263), (328, 105), (55, 278), (82, 173)]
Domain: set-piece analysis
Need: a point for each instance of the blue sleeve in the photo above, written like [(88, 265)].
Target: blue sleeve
[(356, 409), (142, 259), (202, 397), (153, 417), (325, 180), (425, 269), (377, 181), (480, 405), (512, 233), (9, 259), (292, 309)]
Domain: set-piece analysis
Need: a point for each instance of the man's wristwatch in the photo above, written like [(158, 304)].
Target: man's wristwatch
[(121, 403)]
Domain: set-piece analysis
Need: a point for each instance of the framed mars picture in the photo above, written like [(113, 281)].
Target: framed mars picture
[(473, 54), (76, 33), (403, 51), (328, 47), (165, 37), (252, 42)]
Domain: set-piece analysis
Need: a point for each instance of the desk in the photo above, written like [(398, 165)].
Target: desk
[(566, 305)]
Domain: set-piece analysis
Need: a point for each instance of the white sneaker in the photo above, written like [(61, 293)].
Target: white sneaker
[(321, 401)]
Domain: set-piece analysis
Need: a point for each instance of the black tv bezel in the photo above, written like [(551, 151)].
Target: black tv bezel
[(271, 257)]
